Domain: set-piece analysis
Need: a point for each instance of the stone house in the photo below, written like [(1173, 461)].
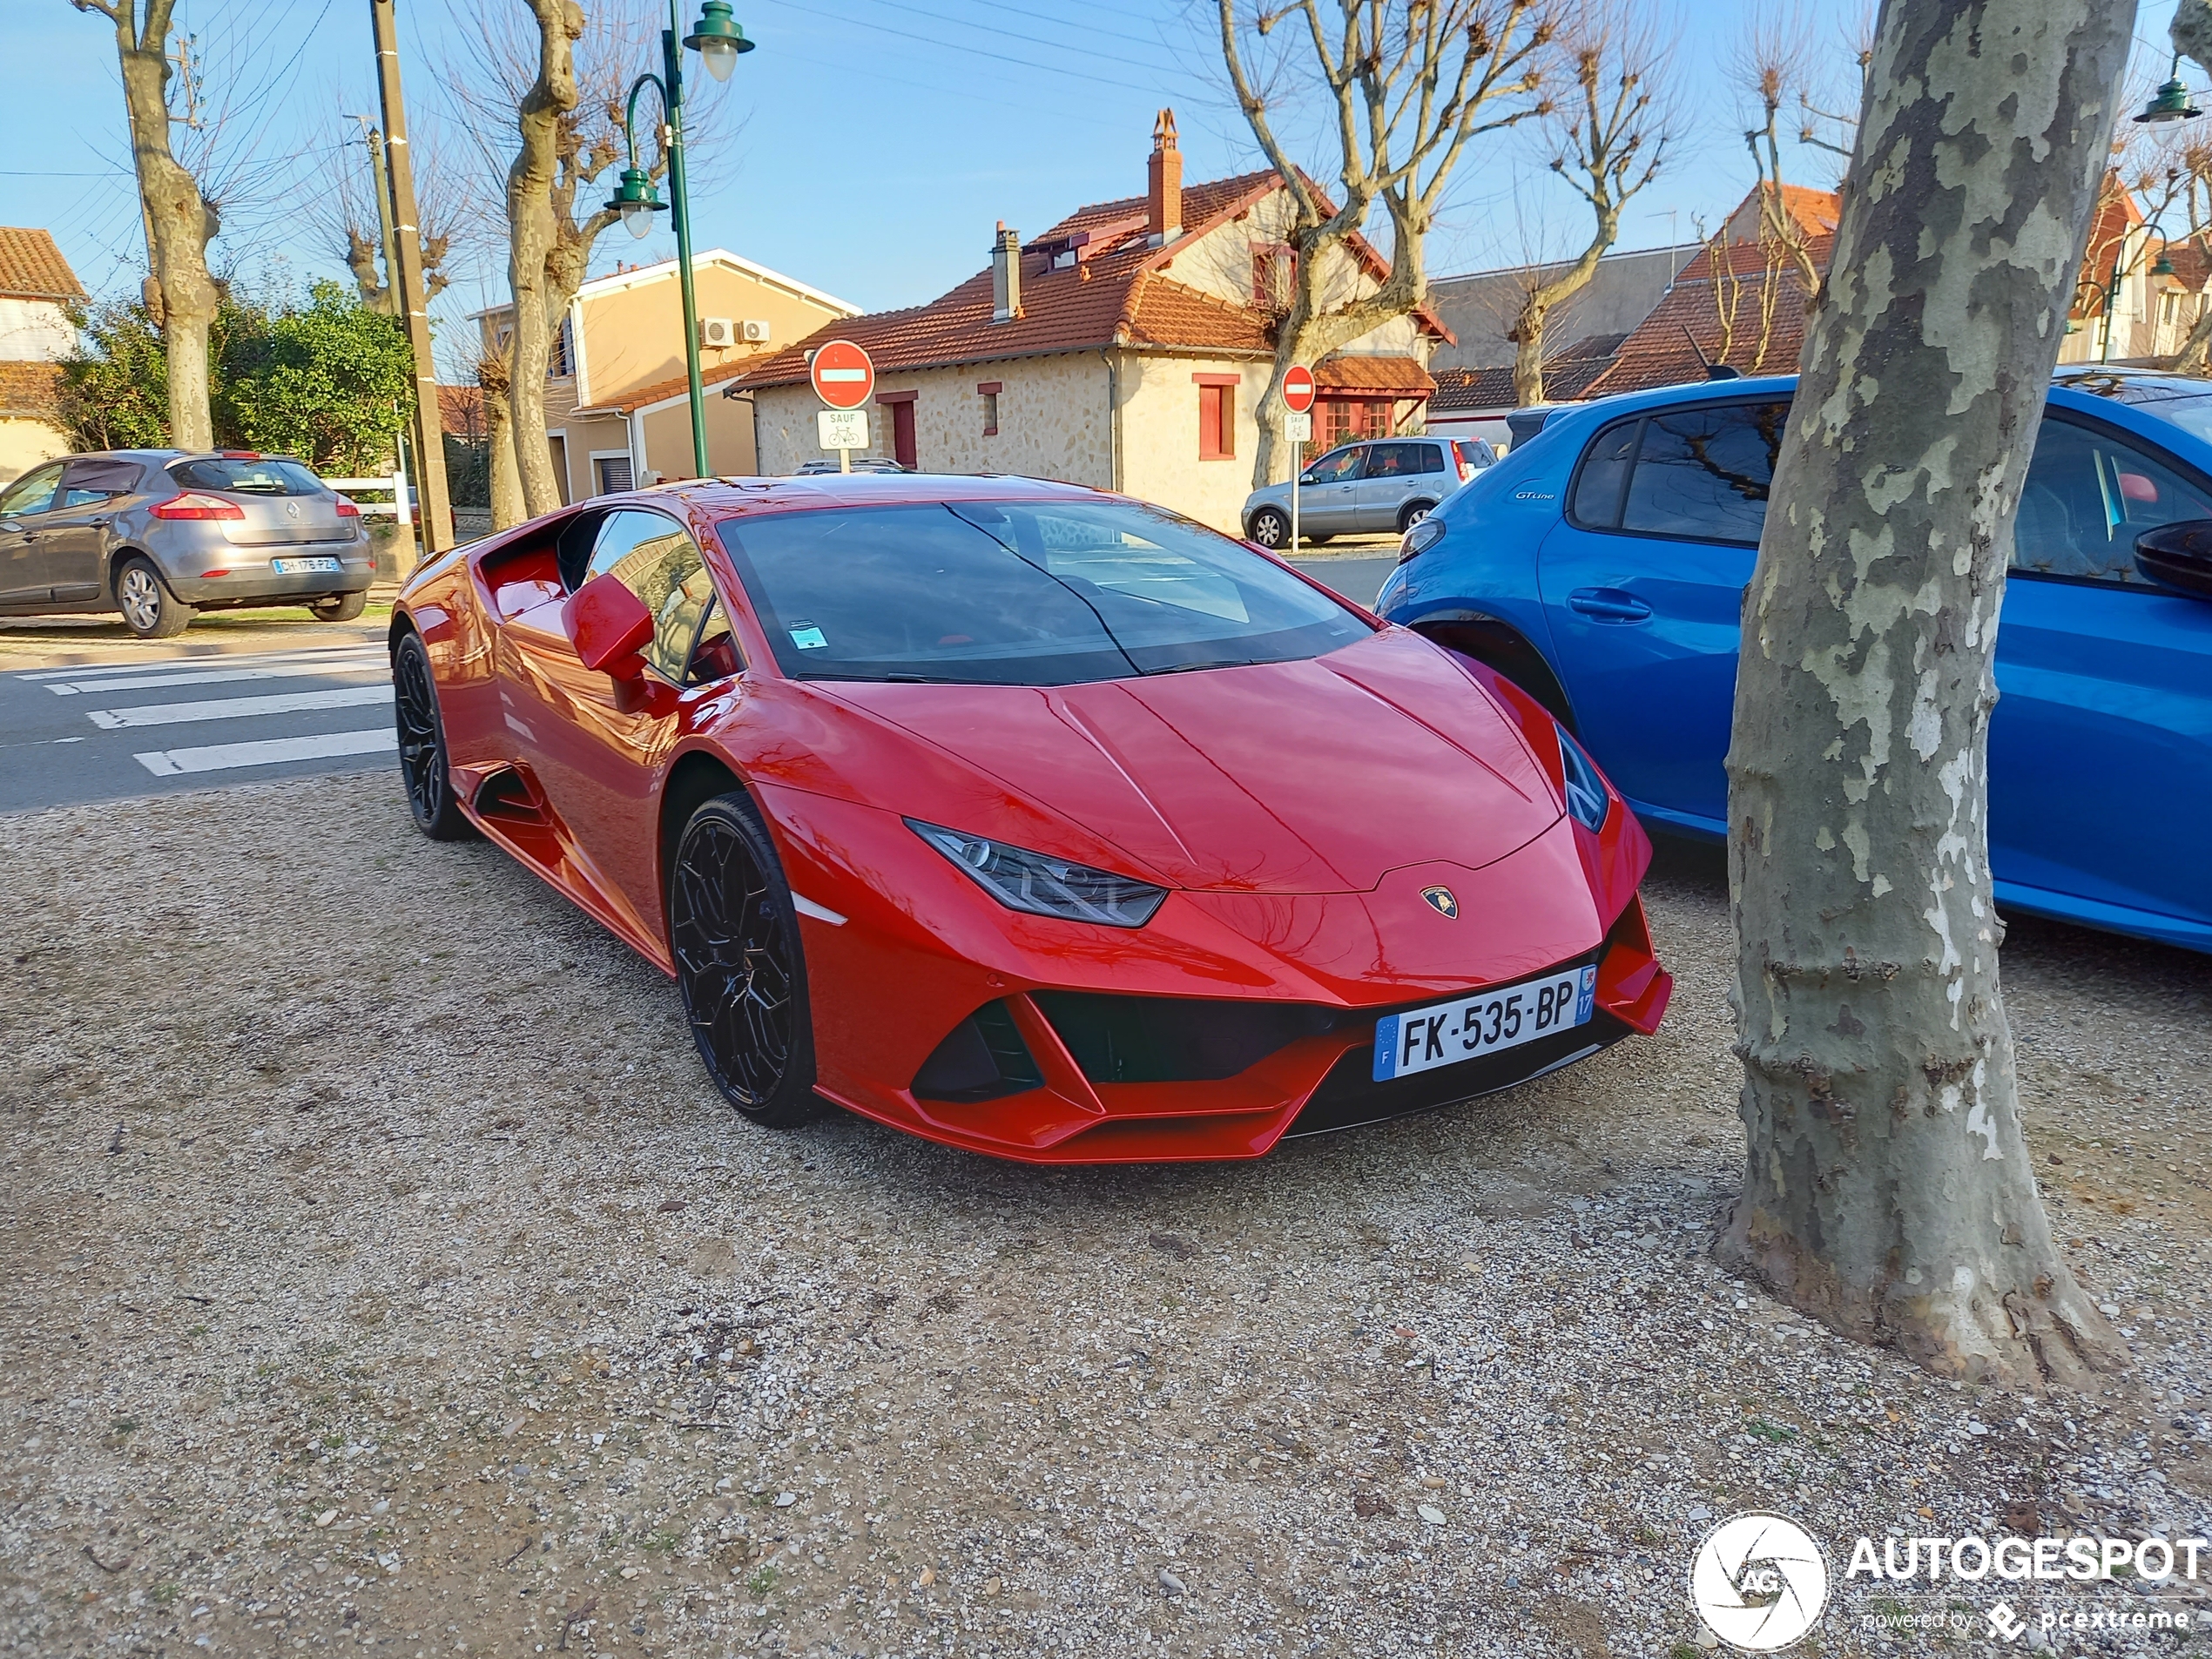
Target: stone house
[(616, 401), (37, 289), (1127, 348)]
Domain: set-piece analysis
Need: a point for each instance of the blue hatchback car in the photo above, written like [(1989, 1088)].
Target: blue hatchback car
[(1601, 565)]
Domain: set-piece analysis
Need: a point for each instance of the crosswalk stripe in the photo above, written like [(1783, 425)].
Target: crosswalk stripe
[(205, 660), (235, 708), (223, 757), (224, 676)]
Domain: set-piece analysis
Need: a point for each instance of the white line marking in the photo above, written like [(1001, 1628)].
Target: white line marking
[(226, 676), (221, 757), (203, 659), (233, 708), (806, 907), (841, 375)]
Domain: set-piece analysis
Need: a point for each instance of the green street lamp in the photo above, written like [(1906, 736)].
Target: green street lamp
[(2170, 102), (2107, 294), (718, 42)]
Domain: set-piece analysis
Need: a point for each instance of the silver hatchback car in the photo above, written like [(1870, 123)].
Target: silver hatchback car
[(1376, 484), (161, 535)]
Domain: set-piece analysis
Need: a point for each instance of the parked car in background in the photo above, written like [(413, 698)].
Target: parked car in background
[(160, 535), (1375, 485), (1602, 566), (861, 463)]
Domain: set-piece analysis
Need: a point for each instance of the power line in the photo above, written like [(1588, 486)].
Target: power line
[(976, 51), (1036, 40)]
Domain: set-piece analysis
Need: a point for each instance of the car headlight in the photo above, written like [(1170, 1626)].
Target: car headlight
[(1020, 879), (1586, 801), (1418, 540)]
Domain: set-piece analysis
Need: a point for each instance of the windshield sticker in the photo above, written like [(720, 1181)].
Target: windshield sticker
[(807, 636)]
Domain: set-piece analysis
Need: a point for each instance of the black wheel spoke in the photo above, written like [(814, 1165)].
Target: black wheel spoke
[(735, 960)]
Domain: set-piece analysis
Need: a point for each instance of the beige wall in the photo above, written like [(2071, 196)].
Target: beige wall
[(633, 337), (24, 443), (1052, 420), (729, 438), (1160, 436)]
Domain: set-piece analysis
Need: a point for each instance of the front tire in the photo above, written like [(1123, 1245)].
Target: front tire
[(1271, 529), (150, 611), (339, 607), (422, 746), (734, 933)]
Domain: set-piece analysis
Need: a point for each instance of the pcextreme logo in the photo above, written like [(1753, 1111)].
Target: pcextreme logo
[(1759, 1581)]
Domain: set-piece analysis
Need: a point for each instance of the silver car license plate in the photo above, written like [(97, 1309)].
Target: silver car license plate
[(1483, 1023), (306, 567)]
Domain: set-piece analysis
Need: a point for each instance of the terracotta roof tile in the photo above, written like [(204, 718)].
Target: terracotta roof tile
[(30, 389), (1472, 388), (1567, 371), (1120, 290), (31, 268), (1659, 352), (675, 386), (1396, 376)]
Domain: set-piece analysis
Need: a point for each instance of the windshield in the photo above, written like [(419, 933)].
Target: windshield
[(255, 477), (2184, 403), (1015, 594)]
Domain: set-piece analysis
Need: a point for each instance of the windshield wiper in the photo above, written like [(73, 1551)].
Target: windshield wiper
[(1192, 668)]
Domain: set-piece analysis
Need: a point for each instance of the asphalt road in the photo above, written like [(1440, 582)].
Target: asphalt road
[(87, 713)]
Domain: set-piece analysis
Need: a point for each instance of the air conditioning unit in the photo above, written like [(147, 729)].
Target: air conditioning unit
[(756, 333), (718, 331)]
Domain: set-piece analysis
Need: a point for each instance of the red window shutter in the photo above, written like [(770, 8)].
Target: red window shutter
[(1211, 399)]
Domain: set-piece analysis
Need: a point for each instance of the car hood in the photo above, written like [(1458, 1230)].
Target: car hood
[(1320, 776)]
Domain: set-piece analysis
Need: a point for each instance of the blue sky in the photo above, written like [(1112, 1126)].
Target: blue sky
[(867, 146)]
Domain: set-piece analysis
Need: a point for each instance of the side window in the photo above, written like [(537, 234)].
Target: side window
[(2088, 495), (1430, 457), (1340, 467), (33, 492), (651, 555), (1701, 474), (1596, 504), (90, 482), (716, 657)]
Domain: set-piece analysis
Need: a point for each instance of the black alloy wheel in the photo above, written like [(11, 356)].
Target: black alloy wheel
[(735, 937), (422, 746)]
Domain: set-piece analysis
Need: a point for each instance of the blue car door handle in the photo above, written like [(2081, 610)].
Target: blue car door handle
[(1607, 604)]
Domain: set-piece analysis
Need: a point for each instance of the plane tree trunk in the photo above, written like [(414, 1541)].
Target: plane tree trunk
[(181, 222), (1887, 1188)]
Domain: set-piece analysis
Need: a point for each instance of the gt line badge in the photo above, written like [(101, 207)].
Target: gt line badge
[(1759, 1581), (1441, 901)]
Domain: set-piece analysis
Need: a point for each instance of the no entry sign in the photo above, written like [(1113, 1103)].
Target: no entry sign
[(1297, 389), (844, 377)]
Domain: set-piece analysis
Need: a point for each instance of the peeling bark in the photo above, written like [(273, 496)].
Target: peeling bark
[(531, 236), (505, 482), (1887, 1188)]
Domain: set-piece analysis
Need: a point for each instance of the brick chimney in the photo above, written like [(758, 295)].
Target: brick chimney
[(1006, 275), (1163, 181)]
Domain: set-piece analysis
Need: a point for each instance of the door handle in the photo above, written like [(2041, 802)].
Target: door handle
[(1607, 604)]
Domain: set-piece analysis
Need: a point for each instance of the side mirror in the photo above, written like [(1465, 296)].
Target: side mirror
[(2178, 556), (610, 625)]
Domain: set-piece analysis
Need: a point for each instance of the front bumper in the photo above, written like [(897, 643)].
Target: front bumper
[(1001, 1037)]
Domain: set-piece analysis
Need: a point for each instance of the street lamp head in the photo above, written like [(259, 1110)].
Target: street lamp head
[(2170, 102), (2164, 267), (716, 39), (636, 200)]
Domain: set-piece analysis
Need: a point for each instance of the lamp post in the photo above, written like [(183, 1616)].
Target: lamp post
[(2109, 291), (2170, 102), (718, 40)]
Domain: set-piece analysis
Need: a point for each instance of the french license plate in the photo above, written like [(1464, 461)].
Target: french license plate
[(1484, 1024), (306, 567)]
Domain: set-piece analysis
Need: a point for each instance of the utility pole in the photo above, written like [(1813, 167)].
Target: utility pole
[(427, 429)]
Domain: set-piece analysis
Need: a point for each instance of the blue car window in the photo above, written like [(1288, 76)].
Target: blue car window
[(1701, 474), (1596, 504), (2088, 495)]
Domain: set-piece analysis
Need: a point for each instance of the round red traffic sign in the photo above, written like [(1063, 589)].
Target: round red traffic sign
[(1297, 389), (843, 376)]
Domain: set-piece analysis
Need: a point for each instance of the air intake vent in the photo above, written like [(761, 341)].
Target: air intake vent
[(983, 1058), (1173, 1040)]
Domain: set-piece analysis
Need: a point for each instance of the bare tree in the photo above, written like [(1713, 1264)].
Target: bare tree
[(1406, 85), (351, 211), (1771, 66), (180, 222), (1887, 1188), (1612, 136), (505, 481)]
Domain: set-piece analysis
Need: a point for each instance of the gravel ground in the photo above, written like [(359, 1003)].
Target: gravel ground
[(382, 1271)]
